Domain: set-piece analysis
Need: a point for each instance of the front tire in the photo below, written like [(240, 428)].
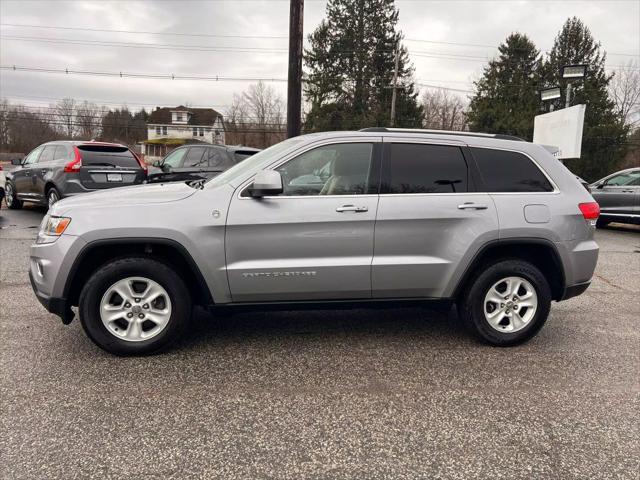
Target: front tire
[(134, 306), (52, 196), (10, 197), (507, 303)]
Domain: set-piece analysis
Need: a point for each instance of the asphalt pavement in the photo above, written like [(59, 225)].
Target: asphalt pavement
[(400, 393)]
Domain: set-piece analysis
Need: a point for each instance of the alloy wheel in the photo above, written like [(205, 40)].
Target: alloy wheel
[(135, 309), (510, 304)]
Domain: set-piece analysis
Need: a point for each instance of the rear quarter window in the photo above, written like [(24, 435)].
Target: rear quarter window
[(107, 155), (505, 171)]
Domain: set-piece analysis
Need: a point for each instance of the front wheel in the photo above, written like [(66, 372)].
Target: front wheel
[(52, 196), (507, 303), (134, 306), (11, 198)]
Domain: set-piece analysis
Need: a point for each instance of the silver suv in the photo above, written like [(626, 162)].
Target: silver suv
[(342, 219)]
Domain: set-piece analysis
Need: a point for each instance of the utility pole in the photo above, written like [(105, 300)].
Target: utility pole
[(294, 85), (395, 87)]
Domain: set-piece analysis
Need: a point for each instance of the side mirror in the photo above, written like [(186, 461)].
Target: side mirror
[(267, 182), (157, 163), (600, 186), (16, 161)]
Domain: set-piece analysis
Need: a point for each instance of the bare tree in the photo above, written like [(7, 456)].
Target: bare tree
[(443, 110), (256, 117), (625, 92), (65, 112), (88, 119)]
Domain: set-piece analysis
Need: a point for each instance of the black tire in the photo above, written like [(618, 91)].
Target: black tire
[(10, 197), (471, 306), (105, 277), (53, 195), (602, 223)]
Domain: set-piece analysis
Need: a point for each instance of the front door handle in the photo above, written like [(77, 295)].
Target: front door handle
[(628, 191), (352, 208), (472, 206)]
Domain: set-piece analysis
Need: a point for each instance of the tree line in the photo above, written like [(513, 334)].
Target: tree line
[(349, 83)]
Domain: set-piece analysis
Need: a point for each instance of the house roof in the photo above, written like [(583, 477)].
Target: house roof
[(199, 116)]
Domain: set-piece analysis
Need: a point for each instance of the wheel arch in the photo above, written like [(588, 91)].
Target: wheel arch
[(99, 252), (540, 252)]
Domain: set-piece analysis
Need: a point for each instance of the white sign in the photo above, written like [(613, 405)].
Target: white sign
[(561, 129)]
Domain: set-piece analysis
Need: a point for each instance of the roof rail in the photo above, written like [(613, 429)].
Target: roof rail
[(498, 136)]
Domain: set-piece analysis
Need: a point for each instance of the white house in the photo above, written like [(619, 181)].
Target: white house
[(168, 128)]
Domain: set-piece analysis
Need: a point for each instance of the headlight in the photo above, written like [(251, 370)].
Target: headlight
[(51, 228)]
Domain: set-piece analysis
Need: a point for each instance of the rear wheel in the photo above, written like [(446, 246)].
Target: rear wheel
[(10, 197), (52, 196), (134, 306), (507, 303)]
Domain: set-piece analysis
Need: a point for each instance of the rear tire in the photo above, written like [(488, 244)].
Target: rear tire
[(52, 196), (507, 303), (134, 306), (10, 197)]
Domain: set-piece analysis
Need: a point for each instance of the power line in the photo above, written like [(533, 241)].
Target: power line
[(212, 78), (177, 34)]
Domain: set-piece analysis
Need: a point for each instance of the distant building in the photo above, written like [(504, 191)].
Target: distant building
[(168, 128)]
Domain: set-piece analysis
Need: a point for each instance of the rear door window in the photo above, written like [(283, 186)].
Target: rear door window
[(61, 153), (216, 157), (422, 168), (47, 154), (194, 157), (107, 156), (505, 171)]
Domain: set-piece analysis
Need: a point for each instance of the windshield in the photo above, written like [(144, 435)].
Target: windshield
[(254, 162)]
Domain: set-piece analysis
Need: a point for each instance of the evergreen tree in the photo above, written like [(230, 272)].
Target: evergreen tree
[(350, 66), (604, 134), (507, 98)]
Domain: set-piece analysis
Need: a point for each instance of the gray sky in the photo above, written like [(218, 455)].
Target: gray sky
[(615, 23)]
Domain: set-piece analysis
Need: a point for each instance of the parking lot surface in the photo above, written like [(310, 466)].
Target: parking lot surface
[(397, 393)]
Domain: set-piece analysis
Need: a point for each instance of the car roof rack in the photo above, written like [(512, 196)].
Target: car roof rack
[(498, 136)]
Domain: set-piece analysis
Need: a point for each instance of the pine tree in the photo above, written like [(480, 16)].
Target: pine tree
[(506, 98), (604, 133), (350, 66)]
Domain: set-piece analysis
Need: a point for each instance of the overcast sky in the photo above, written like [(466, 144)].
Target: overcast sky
[(615, 23)]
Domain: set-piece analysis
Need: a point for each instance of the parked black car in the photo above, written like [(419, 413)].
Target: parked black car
[(619, 197), (59, 169), (197, 162)]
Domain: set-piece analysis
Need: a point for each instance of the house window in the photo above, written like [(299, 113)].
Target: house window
[(217, 132), (158, 131), (178, 117), (195, 131), (201, 132), (164, 130)]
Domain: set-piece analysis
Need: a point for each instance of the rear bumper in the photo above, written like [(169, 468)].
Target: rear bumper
[(575, 290), (57, 306)]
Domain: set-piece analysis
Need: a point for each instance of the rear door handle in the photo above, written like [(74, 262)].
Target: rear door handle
[(472, 206), (352, 208), (628, 191)]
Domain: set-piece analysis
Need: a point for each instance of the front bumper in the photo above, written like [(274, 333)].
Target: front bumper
[(57, 306)]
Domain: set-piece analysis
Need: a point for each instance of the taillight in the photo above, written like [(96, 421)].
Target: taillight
[(590, 211), (74, 165), (142, 164)]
